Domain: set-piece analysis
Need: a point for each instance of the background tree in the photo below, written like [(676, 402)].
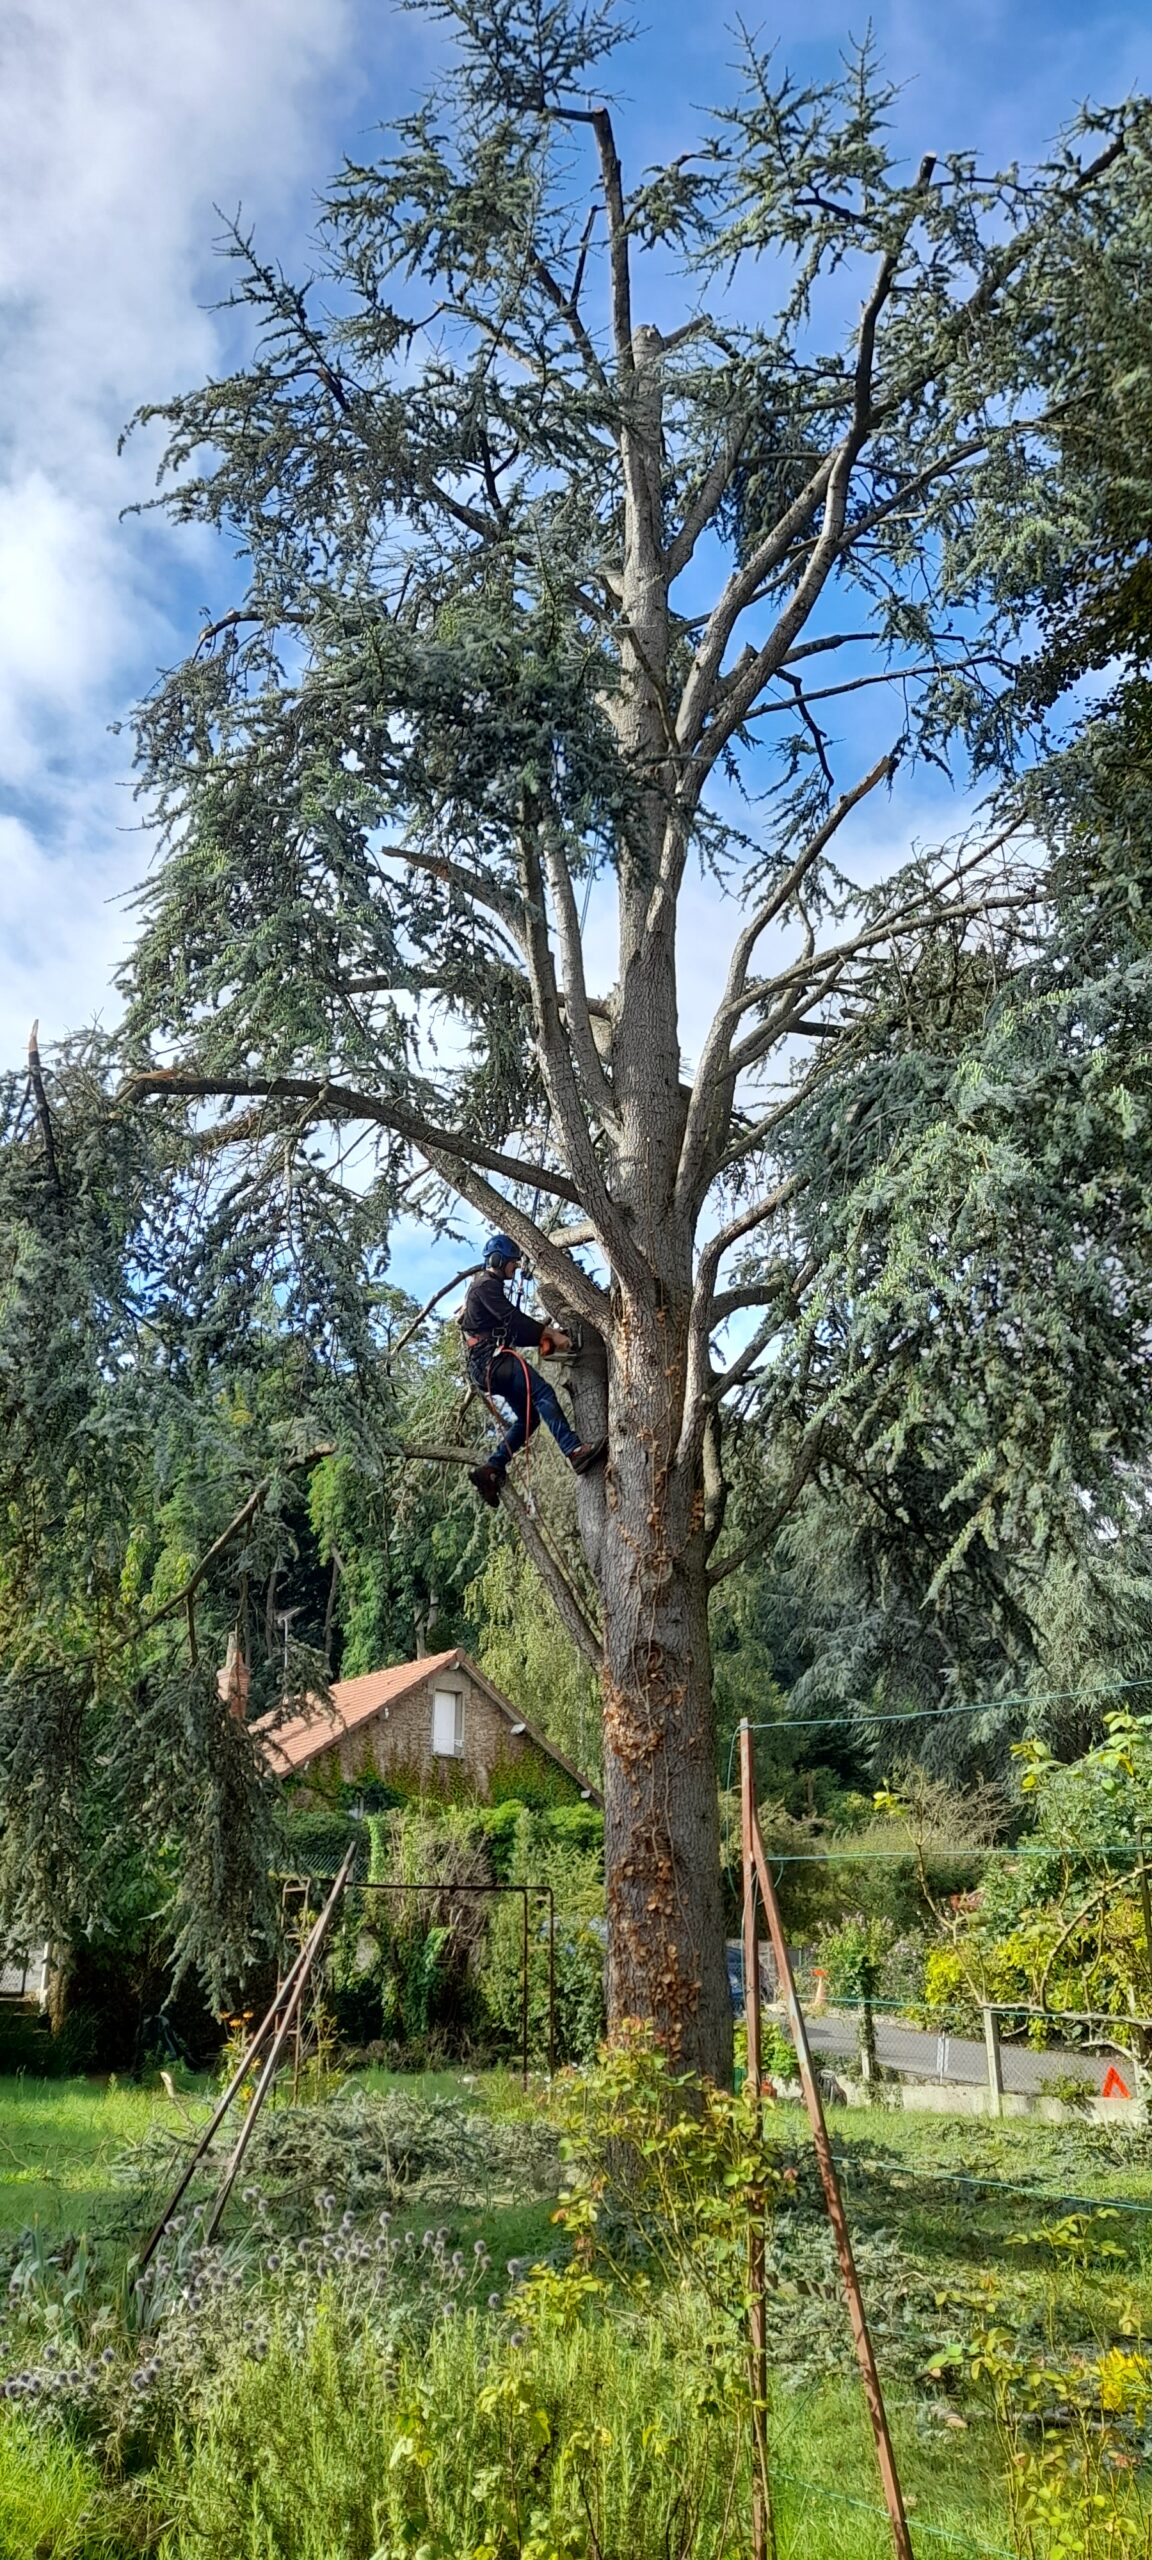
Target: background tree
[(532, 570)]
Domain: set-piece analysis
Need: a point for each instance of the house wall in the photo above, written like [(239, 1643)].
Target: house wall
[(398, 1743)]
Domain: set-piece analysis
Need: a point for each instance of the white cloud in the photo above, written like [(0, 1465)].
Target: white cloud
[(120, 128)]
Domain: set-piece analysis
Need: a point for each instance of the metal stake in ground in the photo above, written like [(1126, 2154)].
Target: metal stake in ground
[(763, 2521), (865, 2357), (284, 2029), (280, 1998)]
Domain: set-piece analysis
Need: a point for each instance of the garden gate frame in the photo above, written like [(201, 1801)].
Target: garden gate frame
[(283, 2014)]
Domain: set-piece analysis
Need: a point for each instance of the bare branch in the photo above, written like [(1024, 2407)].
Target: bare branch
[(818, 972), (342, 1102), (44, 1116), (503, 902), (709, 1111), (556, 1066), (697, 1365), (451, 1155), (395, 1348), (576, 1013), (618, 246), (766, 1528), (702, 507), (568, 306)]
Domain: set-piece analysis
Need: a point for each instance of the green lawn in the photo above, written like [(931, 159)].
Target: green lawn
[(949, 2189), (58, 2140)]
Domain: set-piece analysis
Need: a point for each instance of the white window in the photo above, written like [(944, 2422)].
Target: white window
[(447, 1724)]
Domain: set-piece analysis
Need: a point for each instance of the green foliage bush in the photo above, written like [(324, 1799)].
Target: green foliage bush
[(541, 1853), (553, 2431), (316, 1838), (854, 1955), (450, 1965)]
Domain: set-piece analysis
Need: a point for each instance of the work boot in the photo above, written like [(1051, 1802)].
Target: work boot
[(487, 1481), (589, 1454)]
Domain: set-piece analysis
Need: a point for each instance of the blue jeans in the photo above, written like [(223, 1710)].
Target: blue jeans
[(509, 1378)]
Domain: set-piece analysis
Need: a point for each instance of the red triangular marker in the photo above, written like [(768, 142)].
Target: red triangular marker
[(1114, 2086)]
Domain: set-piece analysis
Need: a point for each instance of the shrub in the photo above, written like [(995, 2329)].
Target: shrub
[(854, 1954), (550, 2430), (316, 1838)]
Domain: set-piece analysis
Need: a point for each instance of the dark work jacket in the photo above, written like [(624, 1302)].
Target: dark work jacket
[(489, 1312)]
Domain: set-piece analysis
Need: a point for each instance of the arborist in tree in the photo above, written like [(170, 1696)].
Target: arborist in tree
[(496, 1335)]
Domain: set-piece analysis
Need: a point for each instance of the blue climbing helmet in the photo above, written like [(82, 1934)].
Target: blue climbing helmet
[(498, 1251)]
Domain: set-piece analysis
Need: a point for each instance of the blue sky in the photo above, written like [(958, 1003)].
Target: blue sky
[(120, 129)]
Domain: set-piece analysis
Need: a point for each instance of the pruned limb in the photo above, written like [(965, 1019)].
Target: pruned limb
[(343, 1102), (438, 1453), (469, 1273), (569, 1607)]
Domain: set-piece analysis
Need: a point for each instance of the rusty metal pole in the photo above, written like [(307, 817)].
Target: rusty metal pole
[(551, 1981), (750, 1935), (202, 2146), (865, 2356), (763, 2522), (524, 1962), (298, 2034), (307, 1959)]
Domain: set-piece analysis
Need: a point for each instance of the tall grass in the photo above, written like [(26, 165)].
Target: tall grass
[(52, 2503)]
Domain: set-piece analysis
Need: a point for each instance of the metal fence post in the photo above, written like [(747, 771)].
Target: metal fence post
[(995, 2064)]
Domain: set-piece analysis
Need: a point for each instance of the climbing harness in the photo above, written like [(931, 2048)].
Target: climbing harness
[(497, 1350)]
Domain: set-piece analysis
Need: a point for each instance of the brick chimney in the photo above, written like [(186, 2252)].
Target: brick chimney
[(233, 1681)]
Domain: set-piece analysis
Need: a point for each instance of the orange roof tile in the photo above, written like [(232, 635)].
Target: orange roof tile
[(301, 1738), (354, 1702)]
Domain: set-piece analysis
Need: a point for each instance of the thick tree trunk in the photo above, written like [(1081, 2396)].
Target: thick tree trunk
[(662, 1834)]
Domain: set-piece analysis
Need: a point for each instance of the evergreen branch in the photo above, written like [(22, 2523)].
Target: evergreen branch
[(767, 1527), (184, 1598), (819, 972)]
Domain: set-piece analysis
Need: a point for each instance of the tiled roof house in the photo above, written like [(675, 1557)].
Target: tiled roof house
[(436, 1723)]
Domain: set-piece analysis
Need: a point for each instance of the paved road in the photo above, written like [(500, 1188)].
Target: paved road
[(959, 2059)]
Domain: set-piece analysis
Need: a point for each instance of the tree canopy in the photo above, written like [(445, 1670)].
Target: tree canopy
[(568, 503)]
